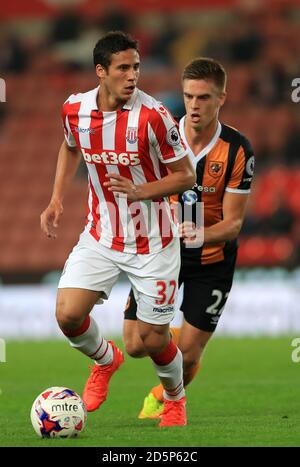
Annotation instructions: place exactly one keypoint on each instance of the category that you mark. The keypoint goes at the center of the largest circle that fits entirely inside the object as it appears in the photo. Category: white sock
(171, 377)
(92, 343)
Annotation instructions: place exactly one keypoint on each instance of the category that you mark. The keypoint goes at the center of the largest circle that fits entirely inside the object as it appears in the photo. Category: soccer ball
(58, 412)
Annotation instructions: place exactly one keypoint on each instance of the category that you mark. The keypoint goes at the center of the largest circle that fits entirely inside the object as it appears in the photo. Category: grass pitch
(246, 394)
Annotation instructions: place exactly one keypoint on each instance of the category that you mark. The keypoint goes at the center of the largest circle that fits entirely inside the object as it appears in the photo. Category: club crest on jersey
(215, 169)
(132, 135)
(163, 110)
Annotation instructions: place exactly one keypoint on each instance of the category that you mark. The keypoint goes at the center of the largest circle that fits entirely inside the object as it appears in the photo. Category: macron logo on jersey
(111, 158)
(85, 130)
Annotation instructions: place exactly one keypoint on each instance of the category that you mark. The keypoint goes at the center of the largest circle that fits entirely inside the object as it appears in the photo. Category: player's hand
(193, 237)
(122, 185)
(50, 218)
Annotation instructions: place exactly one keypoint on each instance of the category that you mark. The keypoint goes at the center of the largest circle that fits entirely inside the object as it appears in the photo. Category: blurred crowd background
(46, 55)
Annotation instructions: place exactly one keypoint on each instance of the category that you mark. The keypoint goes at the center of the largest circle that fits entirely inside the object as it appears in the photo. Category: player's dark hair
(208, 69)
(111, 43)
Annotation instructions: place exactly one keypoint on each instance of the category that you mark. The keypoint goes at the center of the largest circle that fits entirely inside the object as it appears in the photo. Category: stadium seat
(257, 251)
(29, 147)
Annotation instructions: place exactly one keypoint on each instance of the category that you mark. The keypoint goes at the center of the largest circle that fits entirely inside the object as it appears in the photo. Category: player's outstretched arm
(67, 165)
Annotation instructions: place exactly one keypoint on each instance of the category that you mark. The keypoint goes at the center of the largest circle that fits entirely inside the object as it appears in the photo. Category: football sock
(88, 340)
(158, 390)
(168, 365)
(188, 376)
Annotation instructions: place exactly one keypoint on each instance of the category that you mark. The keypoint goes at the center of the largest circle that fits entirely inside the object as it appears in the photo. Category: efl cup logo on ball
(58, 412)
(189, 197)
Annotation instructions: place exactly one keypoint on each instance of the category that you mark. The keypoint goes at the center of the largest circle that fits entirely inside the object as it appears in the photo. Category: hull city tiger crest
(132, 135)
(215, 169)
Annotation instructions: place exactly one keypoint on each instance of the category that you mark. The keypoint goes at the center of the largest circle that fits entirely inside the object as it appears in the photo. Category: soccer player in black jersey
(224, 163)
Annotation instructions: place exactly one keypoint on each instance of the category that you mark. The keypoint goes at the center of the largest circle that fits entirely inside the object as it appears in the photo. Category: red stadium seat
(257, 251)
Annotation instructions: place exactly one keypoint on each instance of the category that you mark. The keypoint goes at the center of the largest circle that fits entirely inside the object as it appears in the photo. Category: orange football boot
(96, 387)
(174, 413)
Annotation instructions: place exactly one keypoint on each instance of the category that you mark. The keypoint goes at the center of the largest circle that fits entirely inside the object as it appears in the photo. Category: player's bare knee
(154, 343)
(133, 344)
(154, 337)
(66, 318)
(68, 322)
(134, 351)
(148, 332)
(134, 348)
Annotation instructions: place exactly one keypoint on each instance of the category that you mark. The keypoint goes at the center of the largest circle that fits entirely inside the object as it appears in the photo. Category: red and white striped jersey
(136, 142)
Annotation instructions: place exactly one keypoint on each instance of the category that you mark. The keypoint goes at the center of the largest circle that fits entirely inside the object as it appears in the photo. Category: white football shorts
(154, 277)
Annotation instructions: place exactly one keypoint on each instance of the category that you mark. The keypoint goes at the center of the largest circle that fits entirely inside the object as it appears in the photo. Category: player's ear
(100, 71)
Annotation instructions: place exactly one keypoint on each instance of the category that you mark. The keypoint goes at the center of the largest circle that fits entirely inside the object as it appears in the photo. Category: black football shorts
(206, 289)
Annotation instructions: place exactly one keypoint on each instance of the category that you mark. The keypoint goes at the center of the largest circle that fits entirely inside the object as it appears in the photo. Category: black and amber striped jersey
(225, 164)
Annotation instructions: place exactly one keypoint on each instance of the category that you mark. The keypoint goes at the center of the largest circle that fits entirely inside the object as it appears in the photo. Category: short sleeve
(164, 135)
(70, 140)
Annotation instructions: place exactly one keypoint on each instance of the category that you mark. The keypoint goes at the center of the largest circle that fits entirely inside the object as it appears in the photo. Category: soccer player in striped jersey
(224, 163)
(127, 140)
